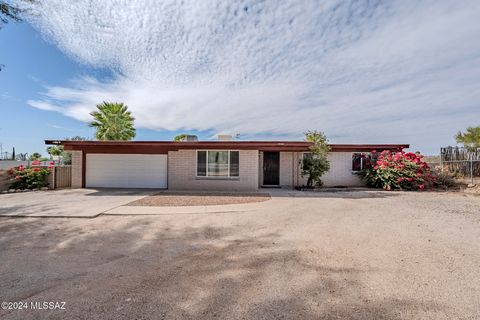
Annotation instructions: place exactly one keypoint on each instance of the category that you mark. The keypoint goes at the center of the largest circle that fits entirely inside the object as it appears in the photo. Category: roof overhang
(165, 146)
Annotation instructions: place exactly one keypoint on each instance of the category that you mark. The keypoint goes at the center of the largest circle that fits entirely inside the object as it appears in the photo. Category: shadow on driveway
(152, 270)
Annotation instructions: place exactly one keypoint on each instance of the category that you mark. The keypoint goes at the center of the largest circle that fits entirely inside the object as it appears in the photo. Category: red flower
(36, 169)
(36, 162)
(21, 168)
(421, 186)
(50, 167)
(401, 179)
(375, 168)
(410, 179)
(374, 151)
(52, 163)
(17, 177)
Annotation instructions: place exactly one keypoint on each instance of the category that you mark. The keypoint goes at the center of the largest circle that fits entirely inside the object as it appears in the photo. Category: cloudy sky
(361, 71)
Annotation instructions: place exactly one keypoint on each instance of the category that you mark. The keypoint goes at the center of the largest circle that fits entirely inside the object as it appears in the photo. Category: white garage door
(126, 171)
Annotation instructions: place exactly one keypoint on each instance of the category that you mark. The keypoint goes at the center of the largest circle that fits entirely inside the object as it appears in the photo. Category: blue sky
(31, 64)
(362, 71)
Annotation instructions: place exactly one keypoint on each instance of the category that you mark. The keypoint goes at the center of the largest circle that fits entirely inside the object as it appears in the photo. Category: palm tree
(113, 121)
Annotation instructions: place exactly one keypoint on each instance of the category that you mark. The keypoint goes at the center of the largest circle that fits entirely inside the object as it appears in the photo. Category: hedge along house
(208, 165)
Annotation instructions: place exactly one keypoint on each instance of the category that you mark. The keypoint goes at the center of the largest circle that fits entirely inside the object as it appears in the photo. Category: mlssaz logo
(47, 305)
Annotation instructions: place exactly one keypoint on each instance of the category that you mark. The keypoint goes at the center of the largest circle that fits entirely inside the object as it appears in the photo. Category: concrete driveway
(77, 203)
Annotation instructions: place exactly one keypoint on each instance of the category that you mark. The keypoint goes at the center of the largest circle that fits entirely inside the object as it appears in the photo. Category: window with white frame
(217, 163)
(360, 161)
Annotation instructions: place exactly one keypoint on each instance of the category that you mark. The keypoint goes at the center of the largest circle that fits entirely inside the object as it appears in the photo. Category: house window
(360, 161)
(217, 163)
(307, 155)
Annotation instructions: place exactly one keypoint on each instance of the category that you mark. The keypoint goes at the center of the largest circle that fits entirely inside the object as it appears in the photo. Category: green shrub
(29, 177)
(399, 170)
(444, 179)
(316, 163)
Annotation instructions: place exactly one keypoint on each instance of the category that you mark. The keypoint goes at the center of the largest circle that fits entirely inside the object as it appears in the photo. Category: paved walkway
(71, 203)
(89, 203)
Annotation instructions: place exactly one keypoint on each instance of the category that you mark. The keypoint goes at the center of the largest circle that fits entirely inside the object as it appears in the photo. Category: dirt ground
(382, 255)
(181, 199)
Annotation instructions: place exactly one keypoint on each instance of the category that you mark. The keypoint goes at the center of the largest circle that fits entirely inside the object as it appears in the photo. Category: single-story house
(208, 165)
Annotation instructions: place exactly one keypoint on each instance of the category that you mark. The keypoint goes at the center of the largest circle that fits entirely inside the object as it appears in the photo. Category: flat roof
(165, 146)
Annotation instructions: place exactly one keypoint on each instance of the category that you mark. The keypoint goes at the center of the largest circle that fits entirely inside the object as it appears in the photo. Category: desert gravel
(360, 255)
(181, 199)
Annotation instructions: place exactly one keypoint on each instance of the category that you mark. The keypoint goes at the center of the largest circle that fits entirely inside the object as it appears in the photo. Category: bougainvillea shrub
(32, 177)
(398, 170)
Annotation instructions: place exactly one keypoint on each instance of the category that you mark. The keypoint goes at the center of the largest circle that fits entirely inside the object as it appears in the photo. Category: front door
(271, 168)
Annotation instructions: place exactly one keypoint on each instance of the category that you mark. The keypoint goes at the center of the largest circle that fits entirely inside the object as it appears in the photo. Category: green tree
(8, 12)
(470, 138)
(55, 150)
(315, 164)
(180, 137)
(113, 121)
(35, 156)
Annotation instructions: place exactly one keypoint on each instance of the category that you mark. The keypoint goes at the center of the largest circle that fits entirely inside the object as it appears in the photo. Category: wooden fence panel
(461, 160)
(4, 180)
(63, 177)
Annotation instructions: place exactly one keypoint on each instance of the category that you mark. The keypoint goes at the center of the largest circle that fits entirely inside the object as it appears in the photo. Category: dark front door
(271, 168)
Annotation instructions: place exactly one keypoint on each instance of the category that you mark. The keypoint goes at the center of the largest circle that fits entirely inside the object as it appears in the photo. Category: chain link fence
(462, 161)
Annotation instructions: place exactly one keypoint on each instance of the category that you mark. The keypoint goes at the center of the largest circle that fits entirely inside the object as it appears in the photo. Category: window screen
(201, 163)
(234, 163)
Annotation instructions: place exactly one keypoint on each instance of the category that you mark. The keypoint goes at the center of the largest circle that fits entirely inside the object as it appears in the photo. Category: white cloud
(402, 71)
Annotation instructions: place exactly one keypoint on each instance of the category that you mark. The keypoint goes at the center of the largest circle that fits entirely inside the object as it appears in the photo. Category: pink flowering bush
(398, 170)
(29, 177)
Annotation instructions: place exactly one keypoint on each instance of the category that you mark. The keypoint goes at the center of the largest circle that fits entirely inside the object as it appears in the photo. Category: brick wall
(76, 169)
(340, 173)
(286, 169)
(260, 169)
(182, 173)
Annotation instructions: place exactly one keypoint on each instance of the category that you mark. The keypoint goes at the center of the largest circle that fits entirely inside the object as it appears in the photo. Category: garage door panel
(126, 171)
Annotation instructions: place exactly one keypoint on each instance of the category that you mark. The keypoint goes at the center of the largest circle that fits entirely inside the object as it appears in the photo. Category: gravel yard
(181, 199)
(343, 255)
